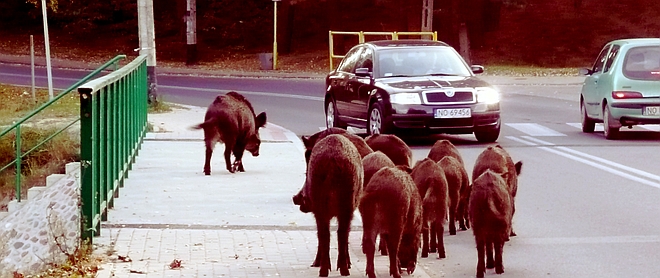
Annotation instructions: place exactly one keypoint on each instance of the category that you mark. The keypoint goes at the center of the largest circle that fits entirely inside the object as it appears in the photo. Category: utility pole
(49, 70)
(147, 37)
(427, 16)
(191, 32)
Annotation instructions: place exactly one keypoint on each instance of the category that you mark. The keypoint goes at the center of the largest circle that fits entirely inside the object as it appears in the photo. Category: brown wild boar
(490, 214)
(432, 186)
(372, 163)
(442, 148)
(310, 141)
(457, 181)
(231, 119)
(499, 161)
(392, 146)
(391, 205)
(332, 189)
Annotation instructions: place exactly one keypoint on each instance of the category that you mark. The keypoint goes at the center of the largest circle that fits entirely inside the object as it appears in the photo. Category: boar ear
(518, 167)
(260, 120)
(307, 142)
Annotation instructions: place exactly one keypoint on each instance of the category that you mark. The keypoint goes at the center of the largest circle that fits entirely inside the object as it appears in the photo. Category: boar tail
(203, 125)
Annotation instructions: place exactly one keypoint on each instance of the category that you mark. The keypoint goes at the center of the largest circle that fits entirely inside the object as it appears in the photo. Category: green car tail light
(626, 94)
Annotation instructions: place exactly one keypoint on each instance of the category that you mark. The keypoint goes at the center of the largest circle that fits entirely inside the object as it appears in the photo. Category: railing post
(332, 52)
(19, 161)
(86, 168)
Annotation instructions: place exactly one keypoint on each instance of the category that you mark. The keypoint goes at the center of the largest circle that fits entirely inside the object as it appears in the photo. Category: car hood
(432, 82)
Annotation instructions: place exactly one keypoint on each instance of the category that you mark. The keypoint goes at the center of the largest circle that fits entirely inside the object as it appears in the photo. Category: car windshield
(642, 63)
(439, 61)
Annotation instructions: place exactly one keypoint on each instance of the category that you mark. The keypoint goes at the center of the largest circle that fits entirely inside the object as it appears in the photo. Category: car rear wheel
(488, 135)
(331, 119)
(588, 125)
(610, 132)
(376, 122)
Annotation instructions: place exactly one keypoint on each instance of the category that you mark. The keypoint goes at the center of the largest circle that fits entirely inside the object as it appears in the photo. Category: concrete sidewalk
(224, 225)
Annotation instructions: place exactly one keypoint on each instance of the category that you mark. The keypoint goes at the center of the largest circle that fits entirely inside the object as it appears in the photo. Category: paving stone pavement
(170, 220)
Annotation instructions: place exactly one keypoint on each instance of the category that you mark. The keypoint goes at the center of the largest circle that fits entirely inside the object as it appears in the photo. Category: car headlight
(487, 95)
(405, 98)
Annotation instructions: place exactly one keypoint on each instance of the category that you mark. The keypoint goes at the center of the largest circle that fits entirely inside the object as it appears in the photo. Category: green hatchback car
(623, 86)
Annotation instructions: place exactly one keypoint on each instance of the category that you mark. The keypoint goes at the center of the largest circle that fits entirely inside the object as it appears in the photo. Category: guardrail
(19, 155)
(361, 35)
(113, 123)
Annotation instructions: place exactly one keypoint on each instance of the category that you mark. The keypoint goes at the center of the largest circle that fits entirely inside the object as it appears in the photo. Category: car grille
(446, 97)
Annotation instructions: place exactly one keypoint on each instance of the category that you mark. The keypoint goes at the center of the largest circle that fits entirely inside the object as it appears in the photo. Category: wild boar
(490, 214)
(310, 141)
(457, 181)
(499, 161)
(372, 163)
(231, 119)
(442, 148)
(332, 189)
(391, 205)
(392, 146)
(432, 186)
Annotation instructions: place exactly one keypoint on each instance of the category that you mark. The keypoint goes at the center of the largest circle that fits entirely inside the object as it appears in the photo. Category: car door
(339, 83)
(592, 89)
(360, 86)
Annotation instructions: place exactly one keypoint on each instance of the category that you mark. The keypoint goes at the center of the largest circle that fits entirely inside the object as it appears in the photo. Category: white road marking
(594, 161)
(599, 127)
(534, 129)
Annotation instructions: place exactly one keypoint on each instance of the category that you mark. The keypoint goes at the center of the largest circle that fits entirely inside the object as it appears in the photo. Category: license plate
(453, 113)
(652, 111)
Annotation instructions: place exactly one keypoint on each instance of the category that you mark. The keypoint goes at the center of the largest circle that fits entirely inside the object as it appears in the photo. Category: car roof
(638, 41)
(405, 43)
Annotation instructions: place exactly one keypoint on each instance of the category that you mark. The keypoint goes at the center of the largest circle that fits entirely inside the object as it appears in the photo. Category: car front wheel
(610, 132)
(331, 119)
(588, 125)
(376, 122)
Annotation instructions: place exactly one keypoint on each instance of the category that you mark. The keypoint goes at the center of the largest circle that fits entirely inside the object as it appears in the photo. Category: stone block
(54, 178)
(35, 191)
(72, 167)
(15, 205)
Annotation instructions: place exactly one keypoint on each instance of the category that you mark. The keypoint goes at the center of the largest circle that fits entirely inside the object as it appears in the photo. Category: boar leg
(439, 234)
(393, 240)
(323, 253)
(230, 168)
(490, 262)
(369, 249)
(481, 254)
(343, 229)
(239, 149)
(433, 244)
(425, 240)
(452, 222)
(207, 161)
(499, 265)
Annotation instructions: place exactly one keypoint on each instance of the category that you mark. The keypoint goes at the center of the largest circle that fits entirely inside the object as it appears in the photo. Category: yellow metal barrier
(394, 36)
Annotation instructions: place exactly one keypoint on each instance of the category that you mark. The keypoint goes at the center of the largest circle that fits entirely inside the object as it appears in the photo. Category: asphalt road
(586, 206)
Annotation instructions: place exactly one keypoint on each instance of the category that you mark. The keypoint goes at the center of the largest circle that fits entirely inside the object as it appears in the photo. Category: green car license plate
(453, 113)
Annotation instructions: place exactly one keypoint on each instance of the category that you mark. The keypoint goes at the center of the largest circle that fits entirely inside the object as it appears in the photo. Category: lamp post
(275, 33)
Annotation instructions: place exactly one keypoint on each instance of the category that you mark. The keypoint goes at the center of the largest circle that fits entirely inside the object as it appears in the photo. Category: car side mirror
(362, 72)
(585, 71)
(476, 69)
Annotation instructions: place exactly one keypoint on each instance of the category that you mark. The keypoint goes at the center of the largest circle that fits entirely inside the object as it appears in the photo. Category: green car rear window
(642, 63)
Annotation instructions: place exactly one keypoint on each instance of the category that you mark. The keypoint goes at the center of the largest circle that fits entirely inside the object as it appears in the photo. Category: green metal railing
(113, 123)
(19, 155)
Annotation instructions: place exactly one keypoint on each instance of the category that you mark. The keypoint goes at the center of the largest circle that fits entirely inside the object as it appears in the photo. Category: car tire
(588, 125)
(376, 122)
(331, 115)
(488, 135)
(611, 133)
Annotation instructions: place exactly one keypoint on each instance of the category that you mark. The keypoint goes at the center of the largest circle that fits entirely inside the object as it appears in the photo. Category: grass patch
(49, 158)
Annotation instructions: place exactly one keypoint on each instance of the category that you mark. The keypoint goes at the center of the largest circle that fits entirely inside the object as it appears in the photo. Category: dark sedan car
(411, 87)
